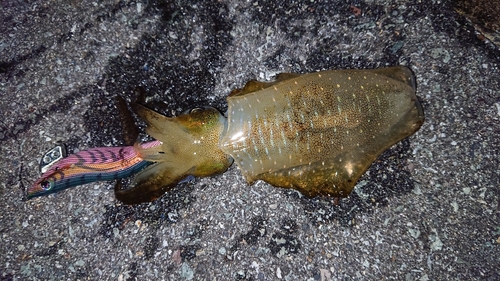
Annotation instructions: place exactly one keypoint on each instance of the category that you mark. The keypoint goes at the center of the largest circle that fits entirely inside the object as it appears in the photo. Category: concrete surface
(428, 209)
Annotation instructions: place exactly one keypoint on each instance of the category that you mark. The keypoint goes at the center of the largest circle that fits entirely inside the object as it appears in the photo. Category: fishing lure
(95, 164)
(317, 133)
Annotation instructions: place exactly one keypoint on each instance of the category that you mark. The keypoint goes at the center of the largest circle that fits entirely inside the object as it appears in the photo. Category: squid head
(189, 146)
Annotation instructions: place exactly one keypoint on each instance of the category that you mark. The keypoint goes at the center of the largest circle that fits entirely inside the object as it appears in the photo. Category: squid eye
(46, 185)
(196, 109)
(193, 110)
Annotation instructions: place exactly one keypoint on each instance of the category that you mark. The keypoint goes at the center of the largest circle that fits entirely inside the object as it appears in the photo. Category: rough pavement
(428, 209)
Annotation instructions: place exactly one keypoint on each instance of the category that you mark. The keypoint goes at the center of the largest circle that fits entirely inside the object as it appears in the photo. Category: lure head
(46, 184)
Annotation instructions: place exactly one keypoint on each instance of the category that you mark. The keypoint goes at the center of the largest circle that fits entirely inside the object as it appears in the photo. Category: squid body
(317, 133)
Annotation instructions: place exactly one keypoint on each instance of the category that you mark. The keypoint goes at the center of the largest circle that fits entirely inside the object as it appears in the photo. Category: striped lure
(95, 164)
(317, 133)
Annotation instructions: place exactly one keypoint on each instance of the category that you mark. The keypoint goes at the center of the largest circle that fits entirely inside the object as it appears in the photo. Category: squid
(316, 133)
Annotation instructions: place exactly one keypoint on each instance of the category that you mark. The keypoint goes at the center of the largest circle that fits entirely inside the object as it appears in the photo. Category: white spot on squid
(349, 168)
(283, 137)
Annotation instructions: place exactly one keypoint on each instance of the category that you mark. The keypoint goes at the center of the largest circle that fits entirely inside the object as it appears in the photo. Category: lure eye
(46, 185)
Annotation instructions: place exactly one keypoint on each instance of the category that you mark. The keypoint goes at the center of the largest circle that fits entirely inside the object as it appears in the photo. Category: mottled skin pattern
(317, 133)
